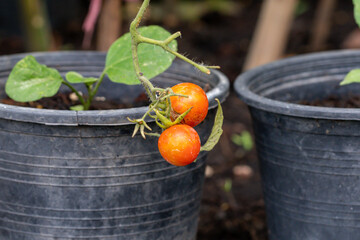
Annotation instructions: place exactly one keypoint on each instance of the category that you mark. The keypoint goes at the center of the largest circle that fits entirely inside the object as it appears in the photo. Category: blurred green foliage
(228, 185)
(302, 7)
(187, 10)
(243, 139)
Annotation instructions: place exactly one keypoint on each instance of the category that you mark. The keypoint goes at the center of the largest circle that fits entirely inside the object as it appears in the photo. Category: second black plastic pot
(80, 175)
(309, 156)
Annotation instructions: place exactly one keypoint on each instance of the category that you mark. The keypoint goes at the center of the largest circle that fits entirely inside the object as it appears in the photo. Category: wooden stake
(132, 7)
(271, 32)
(36, 24)
(109, 27)
(171, 18)
(322, 24)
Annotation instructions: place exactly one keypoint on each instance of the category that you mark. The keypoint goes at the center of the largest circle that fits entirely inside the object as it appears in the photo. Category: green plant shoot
(228, 185)
(244, 139)
(31, 81)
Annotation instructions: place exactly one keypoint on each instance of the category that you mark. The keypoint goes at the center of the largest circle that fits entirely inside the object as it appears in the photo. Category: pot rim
(254, 100)
(113, 117)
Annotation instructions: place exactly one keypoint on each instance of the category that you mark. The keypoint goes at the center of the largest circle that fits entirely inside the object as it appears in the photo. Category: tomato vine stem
(159, 97)
(81, 99)
(137, 38)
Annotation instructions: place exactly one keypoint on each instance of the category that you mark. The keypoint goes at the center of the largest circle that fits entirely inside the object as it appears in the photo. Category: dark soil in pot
(63, 101)
(335, 101)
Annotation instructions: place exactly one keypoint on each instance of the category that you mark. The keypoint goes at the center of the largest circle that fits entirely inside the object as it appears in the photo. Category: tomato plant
(195, 99)
(179, 145)
(134, 58)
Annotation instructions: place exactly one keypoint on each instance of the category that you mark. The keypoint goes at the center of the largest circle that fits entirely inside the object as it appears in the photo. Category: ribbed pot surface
(80, 175)
(309, 156)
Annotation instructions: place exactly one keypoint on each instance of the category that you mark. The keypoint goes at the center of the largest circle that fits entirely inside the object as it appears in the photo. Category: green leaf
(74, 77)
(77, 108)
(244, 139)
(228, 185)
(31, 81)
(352, 77)
(153, 59)
(216, 130)
(357, 11)
(302, 7)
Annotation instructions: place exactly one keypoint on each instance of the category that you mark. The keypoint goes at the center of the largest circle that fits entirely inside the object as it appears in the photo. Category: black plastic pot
(80, 175)
(309, 156)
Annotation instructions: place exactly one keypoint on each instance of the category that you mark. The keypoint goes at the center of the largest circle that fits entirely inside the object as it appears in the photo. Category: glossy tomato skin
(179, 145)
(196, 98)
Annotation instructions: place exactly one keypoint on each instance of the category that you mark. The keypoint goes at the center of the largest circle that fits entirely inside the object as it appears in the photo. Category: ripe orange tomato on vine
(179, 144)
(196, 98)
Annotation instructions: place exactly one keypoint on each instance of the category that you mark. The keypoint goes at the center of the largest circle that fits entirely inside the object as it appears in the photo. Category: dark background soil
(232, 204)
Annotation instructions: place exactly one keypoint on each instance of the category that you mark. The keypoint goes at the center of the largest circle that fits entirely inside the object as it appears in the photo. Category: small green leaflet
(77, 108)
(74, 77)
(244, 139)
(357, 11)
(352, 77)
(31, 81)
(216, 130)
(153, 59)
(228, 185)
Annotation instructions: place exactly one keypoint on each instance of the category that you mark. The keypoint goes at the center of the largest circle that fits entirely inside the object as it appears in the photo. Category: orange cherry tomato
(196, 98)
(179, 145)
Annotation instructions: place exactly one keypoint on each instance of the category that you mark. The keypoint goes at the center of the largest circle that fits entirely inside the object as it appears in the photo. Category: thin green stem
(81, 99)
(92, 91)
(137, 38)
(164, 44)
(151, 109)
(158, 90)
(98, 83)
(134, 44)
(182, 57)
(148, 87)
(89, 100)
(172, 37)
(159, 97)
(135, 23)
(153, 134)
(168, 107)
(144, 81)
